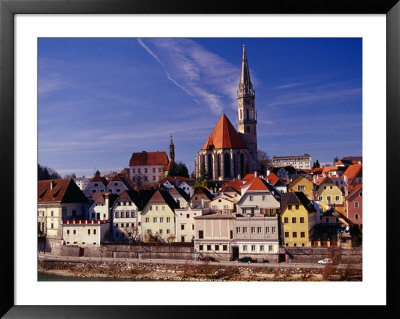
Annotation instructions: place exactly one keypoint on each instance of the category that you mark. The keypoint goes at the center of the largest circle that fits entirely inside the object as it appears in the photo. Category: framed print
(83, 32)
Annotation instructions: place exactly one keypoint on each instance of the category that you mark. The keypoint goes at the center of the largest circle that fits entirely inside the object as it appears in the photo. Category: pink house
(354, 206)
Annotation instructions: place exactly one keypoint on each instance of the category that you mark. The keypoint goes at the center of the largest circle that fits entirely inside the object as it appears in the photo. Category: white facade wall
(297, 161)
(148, 174)
(185, 223)
(116, 187)
(85, 234)
(187, 188)
(126, 219)
(98, 211)
(257, 202)
(223, 205)
(93, 187)
(82, 182)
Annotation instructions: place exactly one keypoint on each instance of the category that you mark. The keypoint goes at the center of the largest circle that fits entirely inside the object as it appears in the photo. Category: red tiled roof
(354, 189)
(224, 135)
(99, 179)
(352, 172)
(248, 176)
(272, 178)
(60, 190)
(327, 169)
(148, 158)
(258, 185)
(232, 184)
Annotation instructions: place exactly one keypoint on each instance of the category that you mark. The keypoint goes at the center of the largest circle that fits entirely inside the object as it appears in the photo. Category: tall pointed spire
(171, 150)
(245, 85)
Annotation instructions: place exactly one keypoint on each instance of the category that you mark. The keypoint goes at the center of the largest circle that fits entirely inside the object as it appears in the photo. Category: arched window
(219, 165)
(209, 166)
(240, 114)
(241, 165)
(227, 165)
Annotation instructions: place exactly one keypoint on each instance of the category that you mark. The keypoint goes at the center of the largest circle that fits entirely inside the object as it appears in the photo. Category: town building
(259, 198)
(185, 223)
(297, 161)
(276, 182)
(180, 196)
(117, 185)
(81, 182)
(214, 234)
(223, 203)
(302, 184)
(228, 153)
(100, 206)
(297, 219)
(354, 205)
(256, 237)
(328, 194)
(158, 218)
(96, 184)
(147, 167)
(126, 217)
(85, 233)
(58, 200)
(201, 198)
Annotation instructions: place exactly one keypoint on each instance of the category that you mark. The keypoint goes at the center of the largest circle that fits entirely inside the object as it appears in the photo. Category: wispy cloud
(203, 75)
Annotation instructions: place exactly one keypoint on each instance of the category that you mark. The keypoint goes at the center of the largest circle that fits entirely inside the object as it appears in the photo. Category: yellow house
(328, 194)
(298, 218)
(302, 184)
(158, 218)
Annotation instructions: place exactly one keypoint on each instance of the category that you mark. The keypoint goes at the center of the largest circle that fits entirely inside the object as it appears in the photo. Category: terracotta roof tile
(224, 135)
(99, 179)
(60, 190)
(352, 172)
(148, 158)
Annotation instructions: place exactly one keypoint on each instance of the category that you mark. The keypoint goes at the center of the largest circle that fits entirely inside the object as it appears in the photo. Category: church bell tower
(247, 115)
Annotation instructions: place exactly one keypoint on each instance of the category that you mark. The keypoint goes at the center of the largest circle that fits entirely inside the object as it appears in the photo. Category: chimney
(345, 179)
(268, 172)
(346, 191)
(107, 201)
(202, 202)
(315, 179)
(52, 184)
(255, 174)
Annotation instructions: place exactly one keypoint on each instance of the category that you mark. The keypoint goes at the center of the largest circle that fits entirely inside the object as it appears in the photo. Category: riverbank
(122, 271)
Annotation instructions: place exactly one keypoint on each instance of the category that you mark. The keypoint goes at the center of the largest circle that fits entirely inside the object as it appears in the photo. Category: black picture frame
(8, 8)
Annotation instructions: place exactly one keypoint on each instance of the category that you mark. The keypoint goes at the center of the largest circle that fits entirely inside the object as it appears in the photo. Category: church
(227, 153)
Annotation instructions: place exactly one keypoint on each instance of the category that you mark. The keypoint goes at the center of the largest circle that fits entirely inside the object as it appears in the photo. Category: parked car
(207, 258)
(325, 261)
(245, 260)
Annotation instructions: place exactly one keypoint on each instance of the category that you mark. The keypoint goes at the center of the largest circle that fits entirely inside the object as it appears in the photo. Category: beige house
(214, 234)
(223, 203)
(158, 218)
(201, 198)
(58, 200)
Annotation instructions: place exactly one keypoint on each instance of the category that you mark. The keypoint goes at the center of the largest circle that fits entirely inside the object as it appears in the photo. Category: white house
(101, 204)
(96, 184)
(223, 203)
(117, 185)
(147, 167)
(85, 233)
(185, 230)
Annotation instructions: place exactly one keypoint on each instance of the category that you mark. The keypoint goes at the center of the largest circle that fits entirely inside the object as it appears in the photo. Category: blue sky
(102, 99)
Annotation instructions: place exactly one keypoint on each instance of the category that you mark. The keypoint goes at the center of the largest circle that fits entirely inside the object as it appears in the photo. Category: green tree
(316, 164)
(202, 172)
(97, 173)
(182, 170)
(199, 183)
(172, 170)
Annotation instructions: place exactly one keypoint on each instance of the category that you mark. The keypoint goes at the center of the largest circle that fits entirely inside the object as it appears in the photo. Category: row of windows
(294, 220)
(124, 214)
(122, 225)
(144, 177)
(162, 207)
(216, 247)
(253, 230)
(296, 206)
(216, 207)
(294, 234)
(183, 226)
(88, 231)
(329, 198)
(123, 203)
(139, 170)
(253, 248)
(147, 219)
(160, 231)
(83, 243)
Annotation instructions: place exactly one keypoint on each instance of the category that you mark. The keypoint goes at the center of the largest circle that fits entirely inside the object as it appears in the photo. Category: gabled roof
(201, 191)
(121, 178)
(140, 198)
(162, 196)
(224, 135)
(298, 179)
(60, 190)
(231, 185)
(356, 188)
(352, 172)
(148, 158)
(177, 190)
(99, 179)
(259, 185)
(324, 180)
(99, 197)
(294, 198)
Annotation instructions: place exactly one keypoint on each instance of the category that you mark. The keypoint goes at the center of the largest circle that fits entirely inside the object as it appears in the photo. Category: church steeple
(245, 85)
(247, 115)
(171, 150)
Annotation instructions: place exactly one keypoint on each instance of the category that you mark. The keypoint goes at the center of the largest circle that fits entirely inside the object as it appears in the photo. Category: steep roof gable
(224, 135)
(60, 190)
